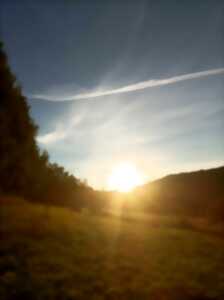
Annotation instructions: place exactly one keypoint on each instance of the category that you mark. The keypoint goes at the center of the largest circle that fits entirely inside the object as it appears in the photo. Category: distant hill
(199, 193)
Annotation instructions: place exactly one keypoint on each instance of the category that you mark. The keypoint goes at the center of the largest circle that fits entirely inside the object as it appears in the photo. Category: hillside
(199, 193)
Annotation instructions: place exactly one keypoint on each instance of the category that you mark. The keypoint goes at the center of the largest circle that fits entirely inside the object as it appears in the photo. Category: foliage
(17, 131)
(24, 169)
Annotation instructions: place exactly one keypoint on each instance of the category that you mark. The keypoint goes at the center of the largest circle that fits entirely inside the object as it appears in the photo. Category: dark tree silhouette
(24, 169)
(18, 149)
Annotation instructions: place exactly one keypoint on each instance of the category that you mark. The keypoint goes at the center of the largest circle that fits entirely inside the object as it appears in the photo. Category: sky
(121, 81)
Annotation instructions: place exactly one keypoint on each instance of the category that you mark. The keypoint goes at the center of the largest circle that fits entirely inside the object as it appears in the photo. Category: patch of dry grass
(54, 253)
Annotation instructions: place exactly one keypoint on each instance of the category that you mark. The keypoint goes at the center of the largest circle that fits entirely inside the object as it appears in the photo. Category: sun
(124, 177)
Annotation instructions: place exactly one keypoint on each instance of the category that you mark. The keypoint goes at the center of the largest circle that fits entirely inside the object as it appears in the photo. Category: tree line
(25, 170)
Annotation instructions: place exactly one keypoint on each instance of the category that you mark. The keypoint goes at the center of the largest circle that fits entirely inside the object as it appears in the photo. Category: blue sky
(113, 81)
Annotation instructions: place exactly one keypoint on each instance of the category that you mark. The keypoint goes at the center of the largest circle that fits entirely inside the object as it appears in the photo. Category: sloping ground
(54, 253)
(197, 194)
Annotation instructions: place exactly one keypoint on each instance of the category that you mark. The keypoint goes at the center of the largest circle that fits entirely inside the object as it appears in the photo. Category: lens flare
(124, 178)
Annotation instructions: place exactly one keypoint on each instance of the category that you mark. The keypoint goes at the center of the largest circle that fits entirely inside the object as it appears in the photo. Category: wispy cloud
(61, 131)
(51, 137)
(158, 141)
(133, 87)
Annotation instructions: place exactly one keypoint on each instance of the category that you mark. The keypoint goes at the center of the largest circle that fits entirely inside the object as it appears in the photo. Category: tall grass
(55, 253)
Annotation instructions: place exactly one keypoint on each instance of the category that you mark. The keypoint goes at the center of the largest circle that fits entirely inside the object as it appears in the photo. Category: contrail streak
(134, 87)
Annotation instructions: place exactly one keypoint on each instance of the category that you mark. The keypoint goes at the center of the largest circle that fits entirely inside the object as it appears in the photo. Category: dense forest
(25, 170)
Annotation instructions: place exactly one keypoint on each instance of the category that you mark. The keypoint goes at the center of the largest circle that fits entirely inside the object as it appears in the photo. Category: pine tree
(24, 169)
(18, 149)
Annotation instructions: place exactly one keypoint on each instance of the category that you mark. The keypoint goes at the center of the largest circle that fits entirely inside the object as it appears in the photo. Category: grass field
(55, 253)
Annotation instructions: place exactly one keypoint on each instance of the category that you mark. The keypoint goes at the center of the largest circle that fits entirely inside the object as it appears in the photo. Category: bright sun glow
(124, 178)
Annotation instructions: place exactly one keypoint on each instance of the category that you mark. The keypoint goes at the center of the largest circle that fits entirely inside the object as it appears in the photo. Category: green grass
(56, 253)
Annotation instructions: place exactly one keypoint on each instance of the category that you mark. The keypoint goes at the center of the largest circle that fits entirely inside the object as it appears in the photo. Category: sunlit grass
(51, 253)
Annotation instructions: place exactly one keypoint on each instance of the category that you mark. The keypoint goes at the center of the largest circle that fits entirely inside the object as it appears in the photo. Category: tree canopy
(25, 170)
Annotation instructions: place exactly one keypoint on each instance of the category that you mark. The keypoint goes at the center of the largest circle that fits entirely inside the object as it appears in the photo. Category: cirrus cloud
(99, 92)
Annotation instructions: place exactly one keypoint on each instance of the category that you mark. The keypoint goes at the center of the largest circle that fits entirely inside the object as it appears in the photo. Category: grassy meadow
(56, 253)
